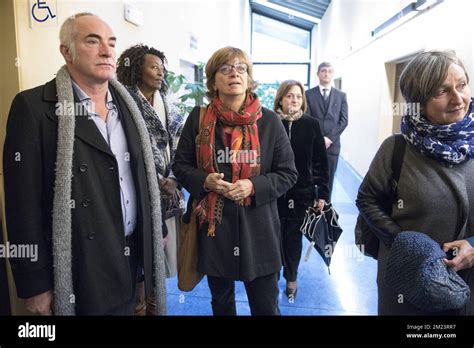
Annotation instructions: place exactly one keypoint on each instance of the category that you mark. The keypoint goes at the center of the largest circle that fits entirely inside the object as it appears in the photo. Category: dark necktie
(325, 94)
(325, 99)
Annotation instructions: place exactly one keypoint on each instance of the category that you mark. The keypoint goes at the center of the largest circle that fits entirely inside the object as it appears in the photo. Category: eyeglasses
(239, 67)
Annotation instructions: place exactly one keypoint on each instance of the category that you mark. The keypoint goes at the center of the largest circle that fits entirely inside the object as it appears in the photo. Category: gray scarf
(62, 231)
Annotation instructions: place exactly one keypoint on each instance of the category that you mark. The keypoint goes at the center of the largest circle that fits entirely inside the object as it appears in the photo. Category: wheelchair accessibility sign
(43, 13)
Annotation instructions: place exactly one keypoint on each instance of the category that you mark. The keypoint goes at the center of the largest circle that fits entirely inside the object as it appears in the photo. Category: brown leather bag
(188, 254)
(188, 251)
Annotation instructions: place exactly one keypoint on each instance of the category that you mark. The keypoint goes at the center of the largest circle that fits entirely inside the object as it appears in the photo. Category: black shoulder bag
(366, 240)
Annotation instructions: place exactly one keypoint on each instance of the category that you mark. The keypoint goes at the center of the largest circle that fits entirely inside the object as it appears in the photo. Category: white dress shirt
(322, 92)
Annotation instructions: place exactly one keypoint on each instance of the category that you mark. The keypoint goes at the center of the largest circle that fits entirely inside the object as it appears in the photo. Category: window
(280, 52)
(268, 73)
(274, 41)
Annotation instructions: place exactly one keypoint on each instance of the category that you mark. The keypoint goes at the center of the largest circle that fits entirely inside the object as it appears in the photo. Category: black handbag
(365, 239)
(173, 205)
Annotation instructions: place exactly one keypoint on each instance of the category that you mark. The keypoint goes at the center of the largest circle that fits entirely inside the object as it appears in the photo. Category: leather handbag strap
(201, 115)
(397, 161)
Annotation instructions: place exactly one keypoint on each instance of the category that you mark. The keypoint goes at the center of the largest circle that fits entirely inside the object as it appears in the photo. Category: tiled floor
(350, 289)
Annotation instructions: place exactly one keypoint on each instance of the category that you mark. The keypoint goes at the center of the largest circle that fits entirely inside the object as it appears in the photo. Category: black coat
(101, 272)
(247, 244)
(311, 162)
(333, 120)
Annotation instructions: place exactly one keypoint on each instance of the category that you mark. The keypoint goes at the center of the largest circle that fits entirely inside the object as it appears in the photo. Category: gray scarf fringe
(62, 230)
(62, 236)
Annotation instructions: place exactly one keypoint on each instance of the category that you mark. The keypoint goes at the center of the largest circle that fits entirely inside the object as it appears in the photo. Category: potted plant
(192, 93)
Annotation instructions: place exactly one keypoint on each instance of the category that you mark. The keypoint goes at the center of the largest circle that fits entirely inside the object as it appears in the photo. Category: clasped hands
(240, 189)
(327, 142)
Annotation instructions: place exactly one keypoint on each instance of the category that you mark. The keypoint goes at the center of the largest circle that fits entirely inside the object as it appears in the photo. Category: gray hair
(425, 73)
(324, 65)
(67, 33)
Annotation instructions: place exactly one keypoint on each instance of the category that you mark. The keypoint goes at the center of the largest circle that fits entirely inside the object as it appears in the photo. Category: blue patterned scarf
(450, 144)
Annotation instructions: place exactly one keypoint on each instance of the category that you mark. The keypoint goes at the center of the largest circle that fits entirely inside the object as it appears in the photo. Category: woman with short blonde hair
(235, 163)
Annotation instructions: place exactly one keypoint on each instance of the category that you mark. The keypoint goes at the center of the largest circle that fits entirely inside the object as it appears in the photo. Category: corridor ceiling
(301, 13)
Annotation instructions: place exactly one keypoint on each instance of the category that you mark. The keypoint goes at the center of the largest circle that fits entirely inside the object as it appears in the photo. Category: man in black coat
(329, 106)
(77, 170)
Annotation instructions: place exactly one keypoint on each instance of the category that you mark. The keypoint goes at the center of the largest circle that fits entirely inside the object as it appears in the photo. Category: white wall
(344, 38)
(168, 25)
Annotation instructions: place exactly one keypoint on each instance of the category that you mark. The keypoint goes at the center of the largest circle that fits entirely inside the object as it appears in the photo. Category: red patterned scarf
(244, 152)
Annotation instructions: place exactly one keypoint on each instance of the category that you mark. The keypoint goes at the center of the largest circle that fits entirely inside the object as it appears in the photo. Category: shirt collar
(86, 100)
(328, 88)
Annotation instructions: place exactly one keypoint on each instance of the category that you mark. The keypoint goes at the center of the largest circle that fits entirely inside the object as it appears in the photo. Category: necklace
(150, 100)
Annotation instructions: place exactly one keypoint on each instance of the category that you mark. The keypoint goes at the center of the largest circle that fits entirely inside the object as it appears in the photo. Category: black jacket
(247, 244)
(311, 162)
(333, 120)
(101, 272)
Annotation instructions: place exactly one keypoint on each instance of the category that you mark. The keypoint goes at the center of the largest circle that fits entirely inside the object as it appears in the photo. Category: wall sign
(43, 13)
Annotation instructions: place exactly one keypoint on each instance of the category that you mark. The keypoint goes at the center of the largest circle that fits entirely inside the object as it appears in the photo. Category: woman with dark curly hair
(142, 69)
(130, 69)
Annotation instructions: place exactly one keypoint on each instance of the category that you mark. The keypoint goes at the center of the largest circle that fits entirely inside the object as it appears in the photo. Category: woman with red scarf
(235, 164)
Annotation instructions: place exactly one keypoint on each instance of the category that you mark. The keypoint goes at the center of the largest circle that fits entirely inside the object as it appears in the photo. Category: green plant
(266, 93)
(191, 91)
(174, 81)
(196, 91)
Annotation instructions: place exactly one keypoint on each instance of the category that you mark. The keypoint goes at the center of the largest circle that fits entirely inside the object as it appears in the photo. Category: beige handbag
(188, 251)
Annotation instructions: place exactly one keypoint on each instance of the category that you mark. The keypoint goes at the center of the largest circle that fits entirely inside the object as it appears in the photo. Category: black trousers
(292, 247)
(332, 162)
(262, 293)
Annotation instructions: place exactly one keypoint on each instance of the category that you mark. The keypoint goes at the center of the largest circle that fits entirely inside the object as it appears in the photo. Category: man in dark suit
(329, 106)
(77, 167)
